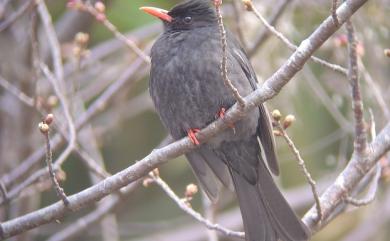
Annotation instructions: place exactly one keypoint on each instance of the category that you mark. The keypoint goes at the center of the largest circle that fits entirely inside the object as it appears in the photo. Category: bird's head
(185, 16)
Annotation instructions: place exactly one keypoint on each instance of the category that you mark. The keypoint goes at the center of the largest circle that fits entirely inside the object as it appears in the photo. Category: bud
(288, 121)
(60, 175)
(74, 4)
(147, 181)
(100, 17)
(43, 127)
(191, 190)
(52, 101)
(277, 133)
(77, 51)
(341, 41)
(387, 52)
(49, 119)
(276, 115)
(248, 5)
(100, 7)
(81, 38)
(360, 49)
(155, 173)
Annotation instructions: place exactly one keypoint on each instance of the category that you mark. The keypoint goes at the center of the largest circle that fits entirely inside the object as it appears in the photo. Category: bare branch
(371, 193)
(97, 106)
(328, 103)
(98, 11)
(265, 33)
(375, 180)
(3, 191)
(11, 19)
(164, 186)
(227, 81)
(348, 179)
(375, 89)
(44, 128)
(16, 92)
(335, 3)
(238, 23)
(53, 42)
(360, 144)
(93, 217)
(64, 102)
(289, 44)
(282, 131)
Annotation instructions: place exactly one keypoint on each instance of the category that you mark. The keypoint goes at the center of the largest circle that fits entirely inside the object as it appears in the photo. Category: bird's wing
(264, 128)
(204, 175)
(210, 171)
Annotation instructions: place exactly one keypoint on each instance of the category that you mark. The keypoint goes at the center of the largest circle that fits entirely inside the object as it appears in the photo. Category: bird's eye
(187, 20)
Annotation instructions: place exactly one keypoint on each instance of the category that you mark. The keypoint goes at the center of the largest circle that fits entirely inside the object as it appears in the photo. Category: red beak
(157, 12)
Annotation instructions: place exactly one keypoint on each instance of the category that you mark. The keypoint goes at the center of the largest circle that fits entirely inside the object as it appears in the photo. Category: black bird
(188, 92)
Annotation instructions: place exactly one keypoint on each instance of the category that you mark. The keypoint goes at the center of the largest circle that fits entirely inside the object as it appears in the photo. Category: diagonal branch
(289, 44)
(360, 143)
(265, 34)
(223, 66)
(213, 226)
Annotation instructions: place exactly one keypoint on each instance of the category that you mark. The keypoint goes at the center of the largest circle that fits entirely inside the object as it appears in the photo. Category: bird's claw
(221, 114)
(192, 135)
(217, 3)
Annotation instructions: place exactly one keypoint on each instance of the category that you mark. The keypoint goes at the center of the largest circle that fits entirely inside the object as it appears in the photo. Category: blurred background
(124, 127)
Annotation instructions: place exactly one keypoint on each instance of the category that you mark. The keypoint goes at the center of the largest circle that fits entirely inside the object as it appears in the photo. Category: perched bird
(189, 93)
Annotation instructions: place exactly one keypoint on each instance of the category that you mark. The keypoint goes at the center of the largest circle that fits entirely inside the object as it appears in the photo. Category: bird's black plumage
(188, 91)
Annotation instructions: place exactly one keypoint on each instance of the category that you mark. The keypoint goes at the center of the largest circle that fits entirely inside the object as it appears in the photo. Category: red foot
(221, 114)
(217, 2)
(191, 134)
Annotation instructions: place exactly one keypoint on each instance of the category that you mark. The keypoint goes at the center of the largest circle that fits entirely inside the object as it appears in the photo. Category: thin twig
(97, 106)
(302, 165)
(3, 191)
(58, 80)
(44, 128)
(335, 3)
(265, 33)
(95, 216)
(101, 17)
(238, 23)
(223, 66)
(289, 44)
(327, 102)
(375, 89)
(92, 164)
(370, 197)
(360, 143)
(375, 180)
(72, 129)
(164, 186)
(53, 42)
(11, 19)
(16, 92)
(210, 211)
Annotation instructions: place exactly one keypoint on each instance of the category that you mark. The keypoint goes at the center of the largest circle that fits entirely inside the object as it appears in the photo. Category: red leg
(191, 134)
(217, 2)
(221, 114)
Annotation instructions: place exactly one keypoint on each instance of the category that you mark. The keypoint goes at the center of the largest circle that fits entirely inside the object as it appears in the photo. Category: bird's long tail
(266, 214)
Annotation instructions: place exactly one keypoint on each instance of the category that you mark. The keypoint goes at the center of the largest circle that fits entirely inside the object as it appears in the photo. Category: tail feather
(266, 214)
(257, 223)
(288, 225)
